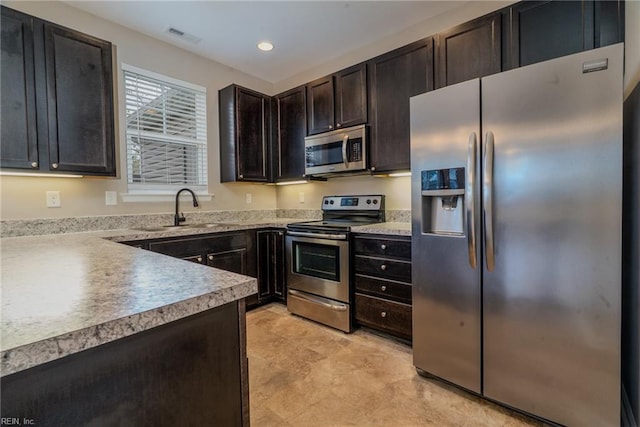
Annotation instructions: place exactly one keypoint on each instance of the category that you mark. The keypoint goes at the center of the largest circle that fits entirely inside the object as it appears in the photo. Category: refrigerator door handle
(487, 201)
(470, 199)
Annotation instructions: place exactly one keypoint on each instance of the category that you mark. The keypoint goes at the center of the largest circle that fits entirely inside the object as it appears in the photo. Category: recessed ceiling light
(265, 46)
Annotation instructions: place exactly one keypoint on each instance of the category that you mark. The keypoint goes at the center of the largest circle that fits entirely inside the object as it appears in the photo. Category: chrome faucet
(178, 218)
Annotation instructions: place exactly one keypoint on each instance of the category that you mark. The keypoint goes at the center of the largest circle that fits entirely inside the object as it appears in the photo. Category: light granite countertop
(389, 228)
(64, 293)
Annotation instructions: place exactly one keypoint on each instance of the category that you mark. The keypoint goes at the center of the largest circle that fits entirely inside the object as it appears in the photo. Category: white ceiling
(305, 33)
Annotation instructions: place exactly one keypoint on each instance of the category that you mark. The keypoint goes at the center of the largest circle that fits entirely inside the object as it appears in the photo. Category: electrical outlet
(301, 197)
(110, 198)
(248, 198)
(53, 199)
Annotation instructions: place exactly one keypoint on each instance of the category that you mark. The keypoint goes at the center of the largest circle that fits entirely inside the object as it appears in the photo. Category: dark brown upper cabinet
(543, 30)
(468, 51)
(19, 147)
(244, 135)
(394, 78)
(290, 131)
(337, 101)
(57, 98)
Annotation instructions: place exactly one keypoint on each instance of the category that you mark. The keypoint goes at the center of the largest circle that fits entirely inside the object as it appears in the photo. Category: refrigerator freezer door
(446, 288)
(552, 303)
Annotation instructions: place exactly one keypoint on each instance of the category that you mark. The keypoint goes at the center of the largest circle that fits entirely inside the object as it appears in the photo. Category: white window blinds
(166, 132)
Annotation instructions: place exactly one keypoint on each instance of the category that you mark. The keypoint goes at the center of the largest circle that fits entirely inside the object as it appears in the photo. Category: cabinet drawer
(383, 247)
(387, 316)
(383, 288)
(384, 268)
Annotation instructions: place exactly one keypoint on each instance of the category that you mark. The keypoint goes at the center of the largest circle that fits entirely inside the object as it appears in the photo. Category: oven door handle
(318, 235)
(321, 301)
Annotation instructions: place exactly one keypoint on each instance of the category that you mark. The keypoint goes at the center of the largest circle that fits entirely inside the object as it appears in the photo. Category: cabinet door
(79, 102)
(19, 148)
(264, 243)
(252, 121)
(468, 51)
(291, 131)
(234, 260)
(279, 266)
(351, 96)
(543, 30)
(394, 78)
(320, 113)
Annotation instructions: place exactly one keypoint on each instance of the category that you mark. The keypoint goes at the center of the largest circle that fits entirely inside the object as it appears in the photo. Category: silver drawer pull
(211, 257)
(199, 259)
(383, 247)
(383, 267)
(383, 288)
(383, 314)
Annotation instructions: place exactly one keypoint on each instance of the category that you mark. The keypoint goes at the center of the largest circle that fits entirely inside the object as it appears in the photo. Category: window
(166, 133)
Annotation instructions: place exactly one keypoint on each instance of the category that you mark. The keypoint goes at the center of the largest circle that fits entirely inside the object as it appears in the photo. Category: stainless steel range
(318, 270)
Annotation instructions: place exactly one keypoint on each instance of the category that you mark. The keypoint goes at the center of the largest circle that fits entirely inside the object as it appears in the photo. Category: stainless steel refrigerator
(516, 236)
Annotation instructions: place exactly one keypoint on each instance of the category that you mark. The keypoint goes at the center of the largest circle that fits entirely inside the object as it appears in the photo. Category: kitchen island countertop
(65, 293)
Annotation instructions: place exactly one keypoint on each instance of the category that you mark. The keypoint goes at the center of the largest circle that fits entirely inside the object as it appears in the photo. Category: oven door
(318, 264)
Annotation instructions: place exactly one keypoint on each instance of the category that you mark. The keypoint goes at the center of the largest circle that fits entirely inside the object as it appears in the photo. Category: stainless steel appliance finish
(318, 267)
(339, 151)
(523, 305)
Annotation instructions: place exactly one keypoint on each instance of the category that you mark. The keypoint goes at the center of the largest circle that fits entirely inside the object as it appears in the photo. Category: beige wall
(24, 197)
(632, 46)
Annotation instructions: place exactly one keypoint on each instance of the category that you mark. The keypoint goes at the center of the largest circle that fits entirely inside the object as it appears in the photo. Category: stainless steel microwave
(339, 151)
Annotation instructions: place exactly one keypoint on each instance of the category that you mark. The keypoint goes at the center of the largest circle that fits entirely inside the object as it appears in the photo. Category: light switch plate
(53, 199)
(301, 197)
(110, 198)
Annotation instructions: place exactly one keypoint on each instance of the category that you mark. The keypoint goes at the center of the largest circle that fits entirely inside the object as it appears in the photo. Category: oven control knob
(331, 202)
(383, 267)
(326, 202)
(375, 201)
(368, 201)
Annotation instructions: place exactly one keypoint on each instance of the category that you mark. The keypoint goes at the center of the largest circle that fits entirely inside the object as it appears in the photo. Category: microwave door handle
(345, 141)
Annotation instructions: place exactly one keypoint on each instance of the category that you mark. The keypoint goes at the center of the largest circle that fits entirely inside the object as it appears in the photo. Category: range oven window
(316, 260)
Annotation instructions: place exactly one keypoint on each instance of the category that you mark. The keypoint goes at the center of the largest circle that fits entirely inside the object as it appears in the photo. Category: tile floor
(304, 374)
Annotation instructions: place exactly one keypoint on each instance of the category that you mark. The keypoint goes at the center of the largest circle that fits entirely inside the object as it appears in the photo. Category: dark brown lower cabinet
(227, 251)
(382, 283)
(270, 267)
(189, 372)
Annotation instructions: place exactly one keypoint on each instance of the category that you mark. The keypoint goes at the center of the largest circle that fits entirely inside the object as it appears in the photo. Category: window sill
(159, 197)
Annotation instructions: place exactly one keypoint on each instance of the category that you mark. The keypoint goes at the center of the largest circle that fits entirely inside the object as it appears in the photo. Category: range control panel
(359, 203)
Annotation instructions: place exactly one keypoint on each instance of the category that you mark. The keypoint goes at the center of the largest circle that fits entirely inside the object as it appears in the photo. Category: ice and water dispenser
(443, 201)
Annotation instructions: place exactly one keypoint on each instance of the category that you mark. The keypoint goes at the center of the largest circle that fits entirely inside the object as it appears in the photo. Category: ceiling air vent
(182, 35)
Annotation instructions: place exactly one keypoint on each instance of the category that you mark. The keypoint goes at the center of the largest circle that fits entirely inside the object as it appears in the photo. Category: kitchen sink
(178, 227)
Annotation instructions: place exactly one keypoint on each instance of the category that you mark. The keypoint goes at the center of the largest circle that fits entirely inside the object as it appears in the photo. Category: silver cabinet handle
(383, 247)
(487, 200)
(345, 141)
(54, 165)
(210, 257)
(383, 288)
(338, 125)
(330, 126)
(383, 314)
(470, 199)
(383, 267)
(199, 259)
(373, 168)
(240, 176)
(34, 164)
